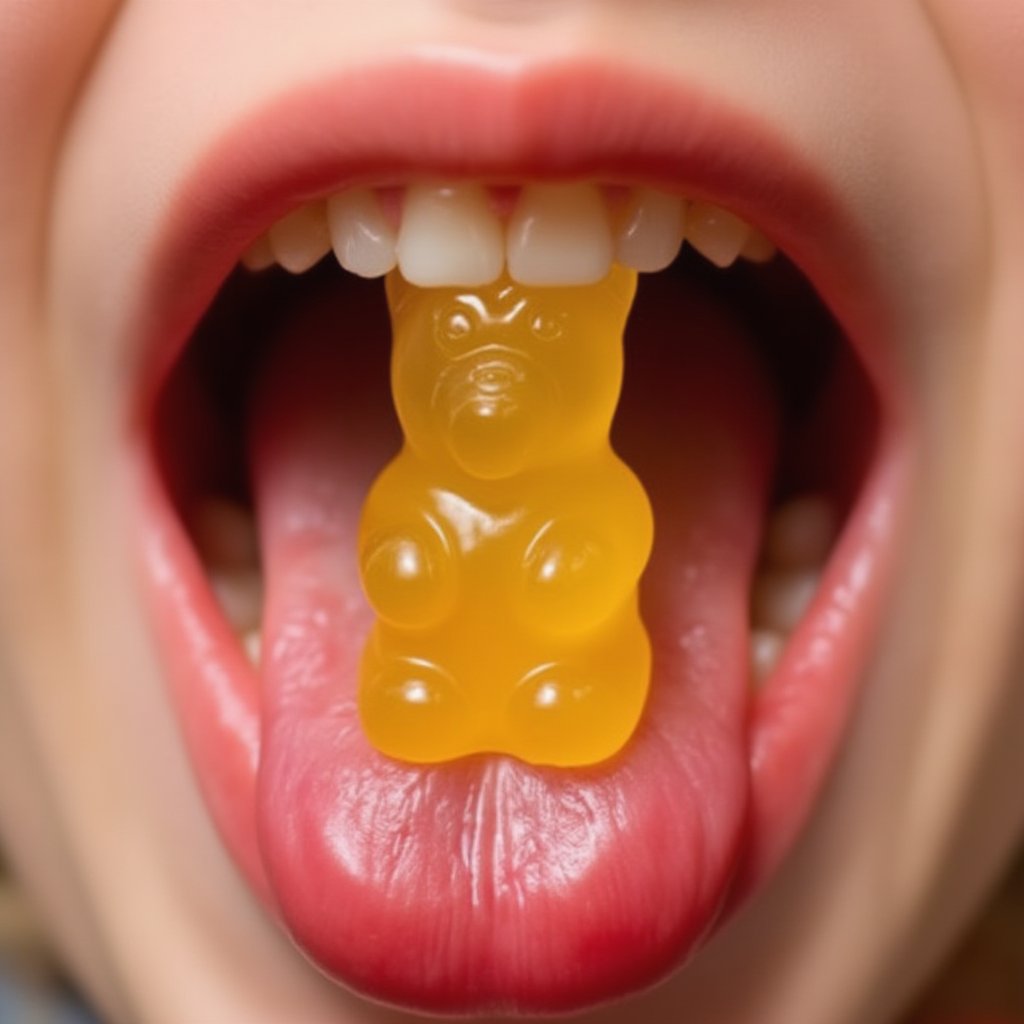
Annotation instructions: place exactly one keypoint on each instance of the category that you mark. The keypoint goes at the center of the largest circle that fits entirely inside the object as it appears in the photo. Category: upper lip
(424, 115)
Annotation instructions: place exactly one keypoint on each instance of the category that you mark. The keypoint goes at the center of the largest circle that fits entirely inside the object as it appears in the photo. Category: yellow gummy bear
(502, 547)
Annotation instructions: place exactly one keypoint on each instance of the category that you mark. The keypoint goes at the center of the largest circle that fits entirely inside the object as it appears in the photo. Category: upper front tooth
(651, 231)
(716, 233)
(449, 236)
(361, 236)
(559, 235)
(300, 240)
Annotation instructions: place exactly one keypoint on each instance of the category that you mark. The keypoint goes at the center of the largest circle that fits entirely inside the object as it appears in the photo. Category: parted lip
(570, 119)
(424, 117)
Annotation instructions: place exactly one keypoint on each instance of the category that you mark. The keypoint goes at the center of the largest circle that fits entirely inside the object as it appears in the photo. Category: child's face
(145, 145)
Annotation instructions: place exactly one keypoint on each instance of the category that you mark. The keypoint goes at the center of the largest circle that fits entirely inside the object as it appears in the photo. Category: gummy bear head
(503, 378)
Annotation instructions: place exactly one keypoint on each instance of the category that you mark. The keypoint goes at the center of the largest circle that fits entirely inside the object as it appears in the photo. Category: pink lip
(389, 124)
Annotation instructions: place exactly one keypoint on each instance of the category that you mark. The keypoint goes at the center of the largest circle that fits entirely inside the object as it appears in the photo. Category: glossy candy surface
(501, 549)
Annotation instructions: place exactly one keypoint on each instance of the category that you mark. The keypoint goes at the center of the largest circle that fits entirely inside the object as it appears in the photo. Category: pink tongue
(488, 885)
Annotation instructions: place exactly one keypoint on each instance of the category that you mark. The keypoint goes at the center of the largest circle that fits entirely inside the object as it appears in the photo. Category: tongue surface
(488, 885)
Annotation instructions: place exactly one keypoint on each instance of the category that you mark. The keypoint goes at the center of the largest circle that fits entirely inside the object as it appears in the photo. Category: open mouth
(757, 409)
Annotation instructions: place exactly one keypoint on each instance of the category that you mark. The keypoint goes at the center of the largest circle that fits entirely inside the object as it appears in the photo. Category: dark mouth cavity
(830, 411)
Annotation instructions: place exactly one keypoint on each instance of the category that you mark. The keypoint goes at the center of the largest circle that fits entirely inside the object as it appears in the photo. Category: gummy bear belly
(510, 629)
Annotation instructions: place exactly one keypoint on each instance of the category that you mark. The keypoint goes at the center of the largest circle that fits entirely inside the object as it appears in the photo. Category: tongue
(489, 885)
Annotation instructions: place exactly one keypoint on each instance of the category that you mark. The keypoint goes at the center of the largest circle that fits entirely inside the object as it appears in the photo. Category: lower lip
(796, 722)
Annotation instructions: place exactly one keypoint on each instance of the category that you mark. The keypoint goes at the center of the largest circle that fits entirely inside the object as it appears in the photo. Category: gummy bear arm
(608, 494)
(408, 561)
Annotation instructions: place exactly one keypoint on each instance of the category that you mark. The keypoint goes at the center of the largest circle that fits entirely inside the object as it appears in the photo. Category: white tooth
(361, 236)
(225, 533)
(766, 647)
(252, 644)
(300, 240)
(780, 599)
(239, 593)
(758, 248)
(226, 538)
(800, 533)
(449, 236)
(651, 231)
(559, 235)
(259, 255)
(716, 233)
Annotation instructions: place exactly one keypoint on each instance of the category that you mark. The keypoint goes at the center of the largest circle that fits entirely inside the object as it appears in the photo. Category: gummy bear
(501, 549)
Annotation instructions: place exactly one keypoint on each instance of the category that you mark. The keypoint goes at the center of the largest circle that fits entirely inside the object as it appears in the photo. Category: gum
(502, 548)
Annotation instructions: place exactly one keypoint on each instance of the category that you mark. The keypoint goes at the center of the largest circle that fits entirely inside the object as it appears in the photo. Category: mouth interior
(828, 408)
(624, 865)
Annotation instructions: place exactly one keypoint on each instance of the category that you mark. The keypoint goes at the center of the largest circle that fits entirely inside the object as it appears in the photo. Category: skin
(917, 107)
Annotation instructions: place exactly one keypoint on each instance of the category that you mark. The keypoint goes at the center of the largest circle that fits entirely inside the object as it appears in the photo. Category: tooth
(227, 541)
(766, 647)
(300, 240)
(800, 533)
(716, 233)
(361, 236)
(780, 599)
(239, 593)
(559, 235)
(758, 248)
(651, 231)
(449, 236)
(225, 533)
(259, 255)
(252, 644)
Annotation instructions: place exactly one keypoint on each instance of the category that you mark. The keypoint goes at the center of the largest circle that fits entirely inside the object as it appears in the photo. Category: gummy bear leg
(412, 709)
(581, 709)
